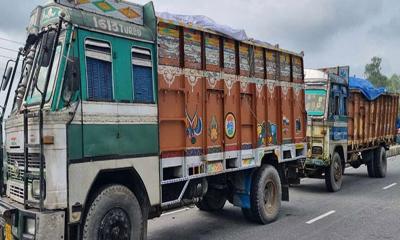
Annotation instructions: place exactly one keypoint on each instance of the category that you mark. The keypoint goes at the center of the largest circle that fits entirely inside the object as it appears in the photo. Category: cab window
(36, 88)
(142, 72)
(99, 70)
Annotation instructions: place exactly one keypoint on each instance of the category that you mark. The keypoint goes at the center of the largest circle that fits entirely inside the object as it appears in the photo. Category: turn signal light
(48, 140)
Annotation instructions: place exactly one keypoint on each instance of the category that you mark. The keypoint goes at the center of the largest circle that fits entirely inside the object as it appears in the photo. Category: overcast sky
(330, 32)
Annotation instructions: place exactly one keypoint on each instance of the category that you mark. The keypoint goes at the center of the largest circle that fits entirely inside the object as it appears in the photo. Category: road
(364, 209)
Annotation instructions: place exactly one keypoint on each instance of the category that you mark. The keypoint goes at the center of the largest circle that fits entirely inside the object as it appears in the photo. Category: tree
(394, 83)
(373, 73)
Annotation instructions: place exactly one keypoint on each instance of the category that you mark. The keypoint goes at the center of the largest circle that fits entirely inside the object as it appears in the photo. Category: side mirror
(48, 43)
(6, 78)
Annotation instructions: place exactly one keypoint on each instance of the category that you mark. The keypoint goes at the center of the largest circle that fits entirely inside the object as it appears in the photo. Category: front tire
(334, 174)
(114, 214)
(265, 196)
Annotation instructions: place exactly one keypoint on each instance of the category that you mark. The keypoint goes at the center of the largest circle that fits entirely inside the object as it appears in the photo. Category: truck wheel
(334, 174)
(380, 163)
(214, 200)
(371, 165)
(265, 196)
(115, 214)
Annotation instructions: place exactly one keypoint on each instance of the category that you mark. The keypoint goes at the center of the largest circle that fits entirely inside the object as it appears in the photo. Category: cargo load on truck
(372, 115)
(349, 122)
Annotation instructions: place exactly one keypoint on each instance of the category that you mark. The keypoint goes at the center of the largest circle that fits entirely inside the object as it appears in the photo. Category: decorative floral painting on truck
(194, 126)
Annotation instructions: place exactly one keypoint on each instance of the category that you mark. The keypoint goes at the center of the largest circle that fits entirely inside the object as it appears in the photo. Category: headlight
(30, 226)
(317, 150)
(36, 188)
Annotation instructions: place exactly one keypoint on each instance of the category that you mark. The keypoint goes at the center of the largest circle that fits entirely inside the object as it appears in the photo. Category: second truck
(349, 122)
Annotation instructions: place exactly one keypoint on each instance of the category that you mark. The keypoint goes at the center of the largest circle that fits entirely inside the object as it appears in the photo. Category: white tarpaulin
(206, 23)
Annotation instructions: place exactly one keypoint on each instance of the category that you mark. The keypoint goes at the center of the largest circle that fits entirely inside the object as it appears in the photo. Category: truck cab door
(119, 110)
(96, 135)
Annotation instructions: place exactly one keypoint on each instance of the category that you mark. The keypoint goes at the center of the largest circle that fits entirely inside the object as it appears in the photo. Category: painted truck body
(216, 113)
(142, 115)
(343, 123)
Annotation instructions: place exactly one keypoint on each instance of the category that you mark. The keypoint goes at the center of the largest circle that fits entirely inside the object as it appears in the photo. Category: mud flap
(242, 184)
(285, 183)
(285, 193)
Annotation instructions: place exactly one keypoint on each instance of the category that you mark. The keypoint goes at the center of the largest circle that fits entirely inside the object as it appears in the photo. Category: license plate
(7, 232)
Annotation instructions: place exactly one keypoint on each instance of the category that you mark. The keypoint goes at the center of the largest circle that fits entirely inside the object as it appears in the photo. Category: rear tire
(214, 200)
(334, 174)
(380, 163)
(265, 196)
(371, 166)
(115, 213)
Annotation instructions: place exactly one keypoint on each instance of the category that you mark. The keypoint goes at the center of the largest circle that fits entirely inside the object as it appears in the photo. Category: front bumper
(48, 225)
(316, 162)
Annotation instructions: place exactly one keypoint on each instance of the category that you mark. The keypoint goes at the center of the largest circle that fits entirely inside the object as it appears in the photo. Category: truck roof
(116, 17)
(137, 21)
(339, 75)
(313, 75)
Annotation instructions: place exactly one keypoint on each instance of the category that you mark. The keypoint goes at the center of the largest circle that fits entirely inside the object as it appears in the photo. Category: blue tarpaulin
(366, 87)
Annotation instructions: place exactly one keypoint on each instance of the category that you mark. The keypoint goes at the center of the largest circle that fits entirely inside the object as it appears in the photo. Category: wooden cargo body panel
(371, 122)
(223, 103)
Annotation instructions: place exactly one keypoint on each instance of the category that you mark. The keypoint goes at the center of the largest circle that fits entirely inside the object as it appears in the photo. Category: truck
(350, 122)
(119, 116)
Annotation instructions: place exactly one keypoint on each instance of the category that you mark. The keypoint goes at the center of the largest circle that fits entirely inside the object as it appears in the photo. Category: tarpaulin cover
(206, 23)
(366, 87)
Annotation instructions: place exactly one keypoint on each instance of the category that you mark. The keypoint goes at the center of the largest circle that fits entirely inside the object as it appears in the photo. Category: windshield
(34, 94)
(315, 102)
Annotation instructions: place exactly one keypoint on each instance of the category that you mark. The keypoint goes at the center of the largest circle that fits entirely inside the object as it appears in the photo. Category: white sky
(330, 32)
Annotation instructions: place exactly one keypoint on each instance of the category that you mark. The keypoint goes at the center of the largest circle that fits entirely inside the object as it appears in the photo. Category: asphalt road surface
(364, 209)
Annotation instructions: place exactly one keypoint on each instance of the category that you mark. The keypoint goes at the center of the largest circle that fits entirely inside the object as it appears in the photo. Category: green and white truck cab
(326, 104)
(67, 112)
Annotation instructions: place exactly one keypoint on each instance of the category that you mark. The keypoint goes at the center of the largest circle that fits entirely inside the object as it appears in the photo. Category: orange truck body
(223, 103)
(371, 122)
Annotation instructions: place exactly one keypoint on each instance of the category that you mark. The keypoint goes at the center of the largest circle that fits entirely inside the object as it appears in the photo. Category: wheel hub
(269, 196)
(338, 171)
(115, 225)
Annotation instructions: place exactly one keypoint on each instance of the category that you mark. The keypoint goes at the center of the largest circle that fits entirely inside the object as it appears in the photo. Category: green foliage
(394, 83)
(373, 74)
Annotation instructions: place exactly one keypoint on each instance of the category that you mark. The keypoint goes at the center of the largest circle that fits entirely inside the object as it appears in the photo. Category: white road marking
(321, 217)
(174, 212)
(390, 186)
